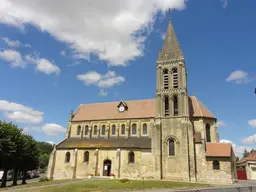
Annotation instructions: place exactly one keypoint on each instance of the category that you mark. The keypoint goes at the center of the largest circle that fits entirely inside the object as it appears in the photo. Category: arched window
(175, 78)
(175, 105)
(216, 165)
(86, 156)
(145, 129)
(166, 106)
(95, 130)
(131, 157)
(67, 157)
(166, 79)
(171, 147)
(103, 130)
(78, 130)
(113, 129)
(208, 133)
(134, 129)
(123, 129)
(86, 129)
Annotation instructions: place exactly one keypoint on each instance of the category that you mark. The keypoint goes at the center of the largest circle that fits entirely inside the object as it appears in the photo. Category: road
(9, 183)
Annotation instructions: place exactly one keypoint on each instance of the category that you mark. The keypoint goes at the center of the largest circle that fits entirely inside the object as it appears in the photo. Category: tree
(30, 156)
(246, 153)
(8, 147)
(45, 151)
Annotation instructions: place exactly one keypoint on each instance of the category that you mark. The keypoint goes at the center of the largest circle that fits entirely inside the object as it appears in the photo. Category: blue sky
(54, 58)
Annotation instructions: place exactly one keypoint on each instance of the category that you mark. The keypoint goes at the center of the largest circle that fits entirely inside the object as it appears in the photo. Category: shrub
(44, 179)
(124, 180)
(112, 174)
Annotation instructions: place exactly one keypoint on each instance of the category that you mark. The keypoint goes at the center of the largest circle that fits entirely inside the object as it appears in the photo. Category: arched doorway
(107, 167)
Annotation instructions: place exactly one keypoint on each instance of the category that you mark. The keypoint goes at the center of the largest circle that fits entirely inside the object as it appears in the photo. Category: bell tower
(171, 90)
(175, 134)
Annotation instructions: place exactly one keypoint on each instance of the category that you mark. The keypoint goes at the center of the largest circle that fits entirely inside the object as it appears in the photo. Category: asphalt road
(9, 183)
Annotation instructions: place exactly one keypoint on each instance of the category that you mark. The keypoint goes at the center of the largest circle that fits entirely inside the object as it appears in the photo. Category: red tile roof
(218, 149)
(136, 109)
(250, 157)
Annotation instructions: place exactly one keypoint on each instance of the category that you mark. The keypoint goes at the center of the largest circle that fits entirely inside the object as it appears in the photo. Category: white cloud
(250, 140)
(14, 44)
(163, 36)
(53, 129)
(115, 34)
(239, 150)
(89, 78)
(103, 81)
(63, 53)
(51, 142)
(220, 124)
(13, 57)
(27, 45)
(224, 3)
(103, 93)
(29, 129)
(20, 113)
(43, 65)
(239, 77)
(11, 43)
(252, 123)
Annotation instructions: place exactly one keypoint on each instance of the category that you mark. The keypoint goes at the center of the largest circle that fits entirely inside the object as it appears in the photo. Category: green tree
(44, 147)
(246, 153)
(43, 161)
(9, 133)
(30, 156)
(45, 151)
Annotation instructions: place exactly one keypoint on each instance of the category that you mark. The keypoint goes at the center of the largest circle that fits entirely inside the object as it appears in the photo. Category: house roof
(136, 109)
(218, 149)
(250, 157)
(121, 142)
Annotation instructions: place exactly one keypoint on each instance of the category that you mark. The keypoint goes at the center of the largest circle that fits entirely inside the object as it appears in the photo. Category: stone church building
(171, 137)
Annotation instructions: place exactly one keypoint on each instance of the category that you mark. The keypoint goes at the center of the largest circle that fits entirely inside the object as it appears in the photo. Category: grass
(35, 184)
(107, 185)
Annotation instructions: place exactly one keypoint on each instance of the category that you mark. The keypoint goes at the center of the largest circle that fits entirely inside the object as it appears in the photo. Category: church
(170, 137)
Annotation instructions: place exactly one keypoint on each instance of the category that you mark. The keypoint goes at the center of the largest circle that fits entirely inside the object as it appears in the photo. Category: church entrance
(106, 168)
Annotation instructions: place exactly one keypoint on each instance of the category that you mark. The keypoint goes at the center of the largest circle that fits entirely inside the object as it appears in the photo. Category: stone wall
(118, 123)
(205, 172)
(77, 168)
(64, 170)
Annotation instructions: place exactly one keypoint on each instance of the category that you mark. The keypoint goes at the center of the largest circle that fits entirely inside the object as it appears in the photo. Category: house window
(78, 130)
(67, 157)
(145, 129)
(95, 130)
(103, 130)
(175, 106)
(175, 78)
(166, 106)
(86, 130)
(86, 156)
(113, 129)
(171, 147)
(134, 129)
(131, 157)
(166, 79)
(208, 133)
(216, 165)
(123, 129)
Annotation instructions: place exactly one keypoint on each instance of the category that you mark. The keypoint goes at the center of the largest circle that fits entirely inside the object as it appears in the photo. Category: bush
(44, 179)
(112, 174)
(125, 180)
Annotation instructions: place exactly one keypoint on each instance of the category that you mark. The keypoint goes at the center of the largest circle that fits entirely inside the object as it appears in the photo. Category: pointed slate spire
(171, 49)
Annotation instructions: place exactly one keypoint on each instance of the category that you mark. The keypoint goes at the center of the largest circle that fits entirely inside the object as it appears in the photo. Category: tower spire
(171, 49)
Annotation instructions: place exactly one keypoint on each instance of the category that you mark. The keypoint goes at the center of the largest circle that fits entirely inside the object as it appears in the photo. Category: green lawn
(107, 185)
(38, 184)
